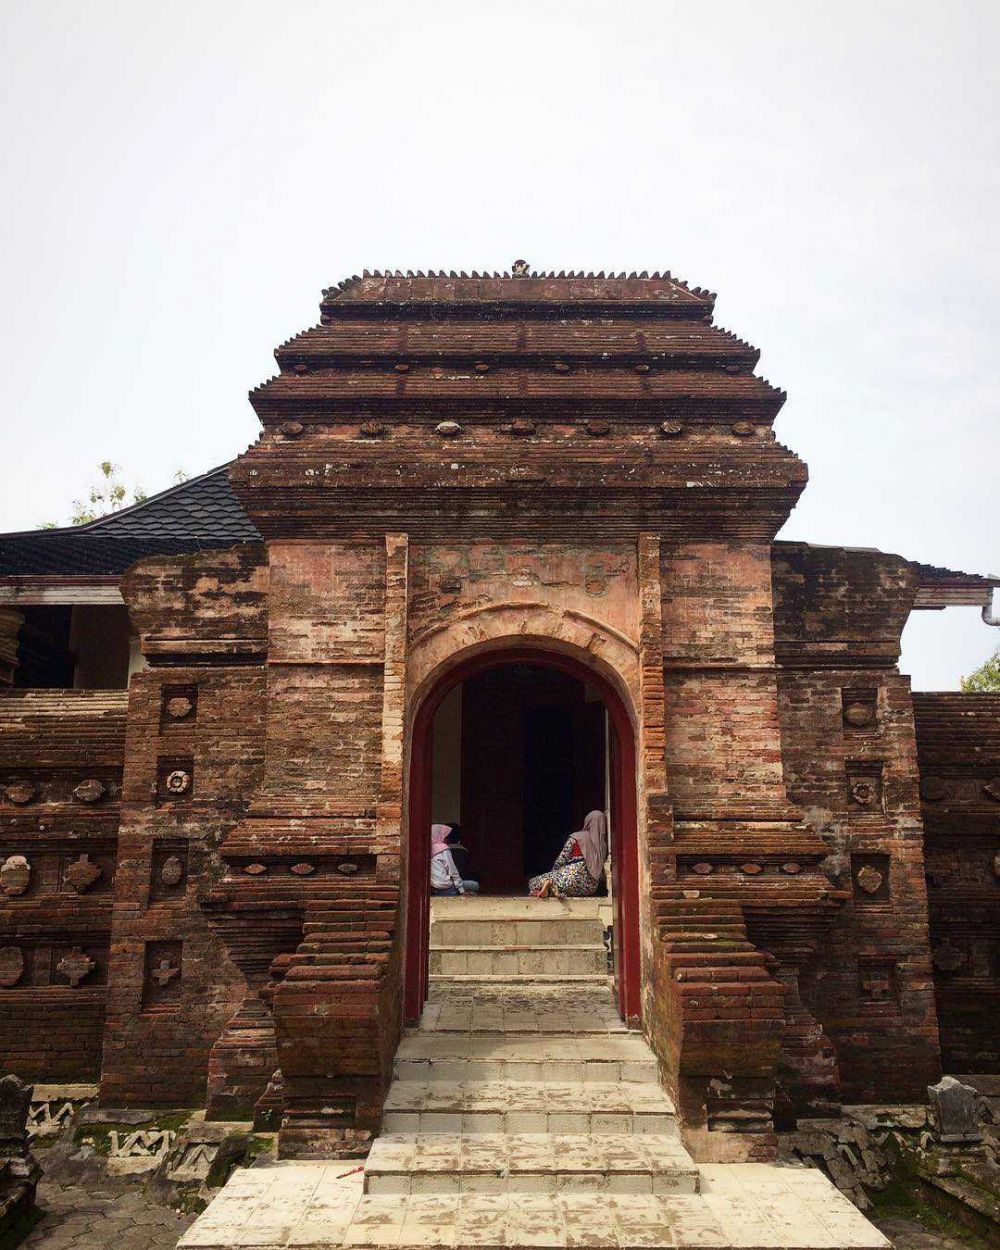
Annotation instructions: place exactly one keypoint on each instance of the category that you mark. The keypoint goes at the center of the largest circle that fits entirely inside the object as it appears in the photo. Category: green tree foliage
(986, 678)
(109, 494)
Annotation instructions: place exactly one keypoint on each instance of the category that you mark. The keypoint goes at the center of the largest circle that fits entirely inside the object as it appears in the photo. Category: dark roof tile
(200, 513)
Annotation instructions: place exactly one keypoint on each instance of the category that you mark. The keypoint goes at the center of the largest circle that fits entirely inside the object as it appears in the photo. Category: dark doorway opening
(519, 760)
(436, 788)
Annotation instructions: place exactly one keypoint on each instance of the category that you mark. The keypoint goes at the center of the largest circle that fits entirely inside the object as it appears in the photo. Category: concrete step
(530, 1008)
(516, 907)
(517, 979)
(425, 1056)
(546, 931)
(576, 959)
(517, 1107)
(321, 1205)
(493, 1163)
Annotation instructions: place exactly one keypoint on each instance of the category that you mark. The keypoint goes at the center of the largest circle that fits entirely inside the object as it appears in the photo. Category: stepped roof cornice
(659, 291)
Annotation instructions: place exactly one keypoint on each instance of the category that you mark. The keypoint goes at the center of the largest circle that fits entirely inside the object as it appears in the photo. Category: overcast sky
(181, 179)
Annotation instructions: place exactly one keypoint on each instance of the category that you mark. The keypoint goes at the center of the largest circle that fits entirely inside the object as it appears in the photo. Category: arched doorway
(559, 787)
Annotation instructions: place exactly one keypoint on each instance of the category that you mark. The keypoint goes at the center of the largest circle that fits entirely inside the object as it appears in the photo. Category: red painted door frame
(624, 834)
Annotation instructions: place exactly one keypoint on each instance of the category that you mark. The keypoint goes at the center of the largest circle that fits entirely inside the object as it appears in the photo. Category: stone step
(518, 979)
(577, 959)
(426, 1056)
(531, 1008)
(321, 1205)
(516, 907)
(797, 1217)
(493, 1163)
(546, 931)
(517, 1107)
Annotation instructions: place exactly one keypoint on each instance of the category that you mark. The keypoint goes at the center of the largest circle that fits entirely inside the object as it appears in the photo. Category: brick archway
(624, 832)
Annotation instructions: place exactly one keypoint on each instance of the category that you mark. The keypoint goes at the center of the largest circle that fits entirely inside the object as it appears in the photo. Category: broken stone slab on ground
(205, 1145)
(55, 1107)
(954, 1111)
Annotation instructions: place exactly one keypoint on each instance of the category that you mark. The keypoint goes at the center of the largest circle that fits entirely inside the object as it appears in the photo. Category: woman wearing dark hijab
(580, 864)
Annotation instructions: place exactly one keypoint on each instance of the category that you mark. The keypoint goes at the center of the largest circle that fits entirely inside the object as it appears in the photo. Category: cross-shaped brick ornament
(75, 965)
(164, 973)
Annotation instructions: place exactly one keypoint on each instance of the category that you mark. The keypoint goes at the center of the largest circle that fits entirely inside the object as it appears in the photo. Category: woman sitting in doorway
(580, 864)
(446, 880)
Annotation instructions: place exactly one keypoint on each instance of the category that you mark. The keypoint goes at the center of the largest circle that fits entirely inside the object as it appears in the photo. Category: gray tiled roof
(200, 513)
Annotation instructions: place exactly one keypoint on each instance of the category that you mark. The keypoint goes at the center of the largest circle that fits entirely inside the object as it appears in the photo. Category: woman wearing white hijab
(580, 864)
(445, 877)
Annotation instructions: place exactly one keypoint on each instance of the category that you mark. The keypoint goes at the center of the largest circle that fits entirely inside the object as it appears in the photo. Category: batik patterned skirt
(568, 875)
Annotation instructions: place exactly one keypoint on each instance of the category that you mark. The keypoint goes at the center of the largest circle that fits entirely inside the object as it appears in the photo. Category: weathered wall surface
(740, 900)
(308, 904)
(850, 759)
(60, 785)
(958, 746)
(193, 761)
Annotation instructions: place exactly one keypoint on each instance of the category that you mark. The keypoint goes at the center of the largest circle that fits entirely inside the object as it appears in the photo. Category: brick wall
(850, 762)
(958, 747)
(194, 755)
(60, 787)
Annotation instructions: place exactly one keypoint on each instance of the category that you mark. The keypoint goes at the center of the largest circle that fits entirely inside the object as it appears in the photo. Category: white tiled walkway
(524, 1114)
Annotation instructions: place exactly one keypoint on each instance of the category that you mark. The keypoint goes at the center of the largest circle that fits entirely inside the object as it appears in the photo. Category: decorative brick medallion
(81, 874)
(162, 976)
(11, 966)
(21, 792)
(75, 966)
(90, 791)
(15, 875)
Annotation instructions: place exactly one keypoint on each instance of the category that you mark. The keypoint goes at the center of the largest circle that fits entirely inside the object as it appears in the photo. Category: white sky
(180, 180)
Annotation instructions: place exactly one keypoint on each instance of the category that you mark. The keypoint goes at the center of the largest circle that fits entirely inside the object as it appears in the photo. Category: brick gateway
(206, 877)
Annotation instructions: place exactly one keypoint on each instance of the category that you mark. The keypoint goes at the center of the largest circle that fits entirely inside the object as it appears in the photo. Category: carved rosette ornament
(869, 879)
(671, 429)
(703, 868)
(859, 714)
(75, 966)
(11, 966)
(15, 875)
(372, 429)
(303, 869)
(171, 871)
(81, 874)
(179, 707)
(90, 791)
(863, 793)
(347, 868)
(742, 429)
(447, 429)
(178, 781)
(21, 792)
(751, 869)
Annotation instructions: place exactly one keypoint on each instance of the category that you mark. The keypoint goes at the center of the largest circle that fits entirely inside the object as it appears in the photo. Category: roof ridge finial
(519, 269)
